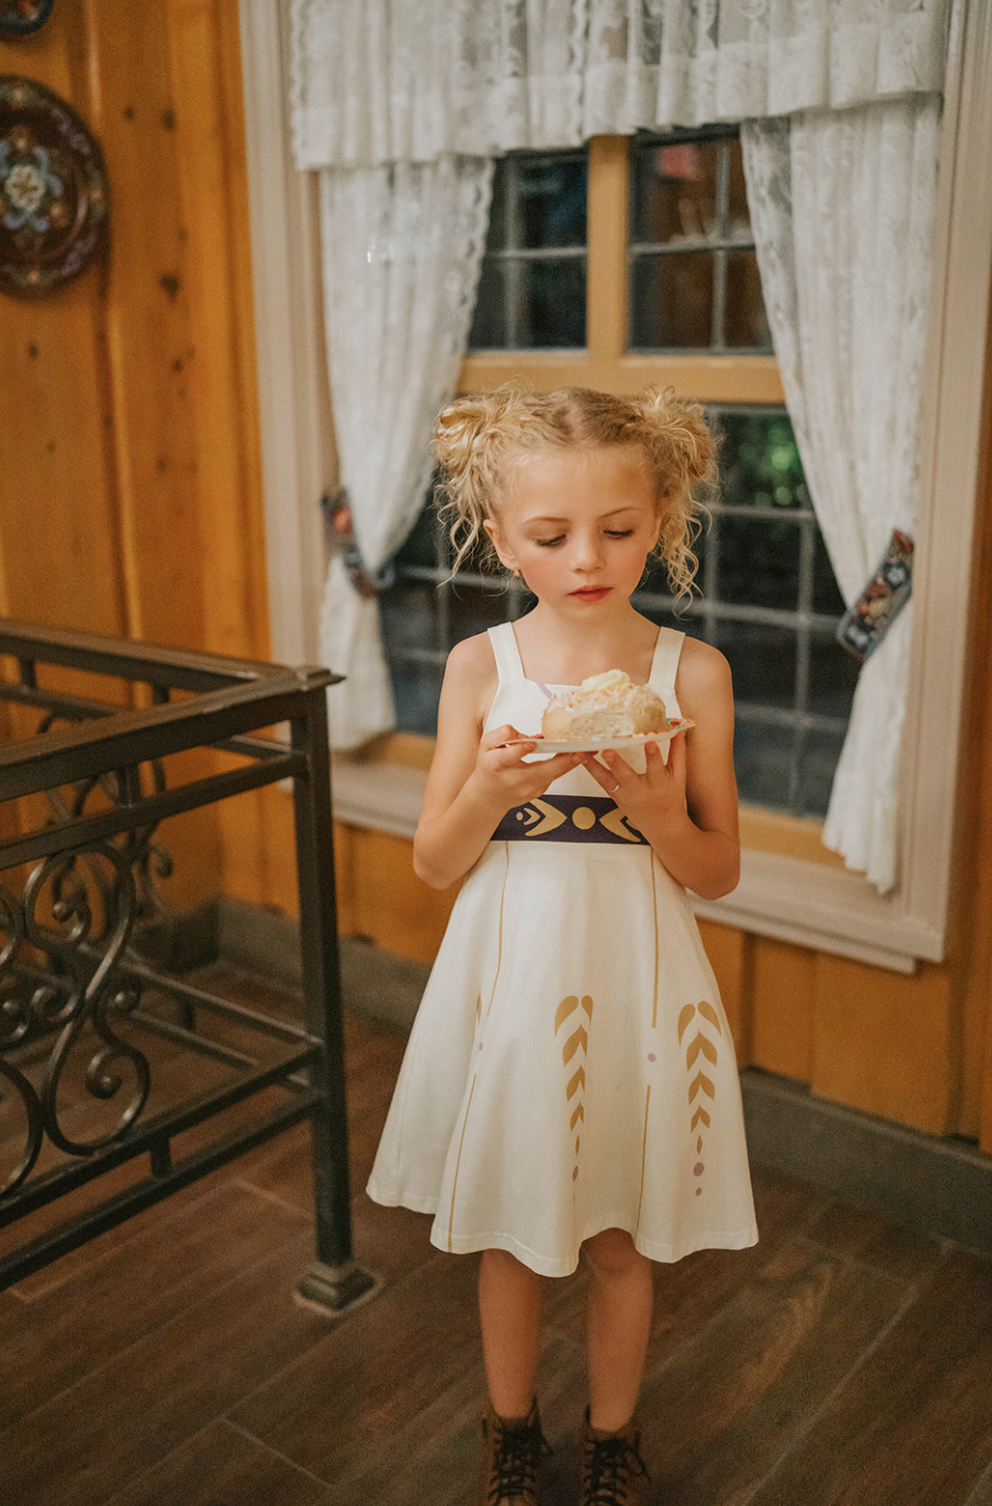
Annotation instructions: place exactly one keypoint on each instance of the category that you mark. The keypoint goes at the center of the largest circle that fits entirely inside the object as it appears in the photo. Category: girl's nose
(588, 552)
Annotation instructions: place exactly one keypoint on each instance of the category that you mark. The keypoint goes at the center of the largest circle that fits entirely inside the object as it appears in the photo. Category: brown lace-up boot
(612, 1467)
(513, 1450)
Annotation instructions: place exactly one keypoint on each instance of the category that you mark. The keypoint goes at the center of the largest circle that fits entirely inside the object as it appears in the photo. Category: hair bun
(681, 426)
(459, 427)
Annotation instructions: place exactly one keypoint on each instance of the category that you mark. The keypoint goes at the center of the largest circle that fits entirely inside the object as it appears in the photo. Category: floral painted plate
(53, 190)
(19, 18)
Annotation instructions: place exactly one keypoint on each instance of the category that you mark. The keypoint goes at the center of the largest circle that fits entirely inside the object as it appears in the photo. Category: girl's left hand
(658, 794)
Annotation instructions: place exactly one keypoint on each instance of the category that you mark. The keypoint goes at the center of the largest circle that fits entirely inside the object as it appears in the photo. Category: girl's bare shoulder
(470, 675)
(703, 677)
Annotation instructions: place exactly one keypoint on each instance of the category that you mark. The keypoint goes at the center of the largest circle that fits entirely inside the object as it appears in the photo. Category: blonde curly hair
(480, 440)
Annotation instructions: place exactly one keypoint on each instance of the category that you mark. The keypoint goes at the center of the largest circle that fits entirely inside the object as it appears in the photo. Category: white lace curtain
(842, 209)
(410, 80)
(382, 82)
(401, 246)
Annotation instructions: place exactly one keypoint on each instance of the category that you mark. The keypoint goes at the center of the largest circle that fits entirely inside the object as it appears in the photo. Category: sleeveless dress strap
(506, 653)
(665, 664)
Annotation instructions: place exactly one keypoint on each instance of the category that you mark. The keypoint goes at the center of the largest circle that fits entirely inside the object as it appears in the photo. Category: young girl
(569, 1088)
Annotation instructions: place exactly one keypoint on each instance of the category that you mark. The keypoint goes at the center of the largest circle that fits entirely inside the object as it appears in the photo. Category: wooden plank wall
(130, 499)
(130, 502)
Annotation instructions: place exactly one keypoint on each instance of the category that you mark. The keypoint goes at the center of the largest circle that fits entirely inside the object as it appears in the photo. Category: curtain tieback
(341, 540)
(864, 625)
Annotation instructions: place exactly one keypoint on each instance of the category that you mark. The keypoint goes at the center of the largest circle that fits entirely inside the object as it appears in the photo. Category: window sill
(809, 903)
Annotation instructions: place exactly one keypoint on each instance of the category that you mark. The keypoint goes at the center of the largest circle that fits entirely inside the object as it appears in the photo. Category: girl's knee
(502, 1263)
(612, 1253)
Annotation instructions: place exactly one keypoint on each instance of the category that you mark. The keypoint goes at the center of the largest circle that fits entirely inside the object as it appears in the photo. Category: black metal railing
(112, 1064)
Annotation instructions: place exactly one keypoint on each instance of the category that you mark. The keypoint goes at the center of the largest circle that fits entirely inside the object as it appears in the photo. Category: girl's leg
(619, 1322)
(510, 1314)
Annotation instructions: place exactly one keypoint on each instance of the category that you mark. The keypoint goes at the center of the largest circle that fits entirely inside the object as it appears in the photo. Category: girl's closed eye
(559, 538)
(619, 533)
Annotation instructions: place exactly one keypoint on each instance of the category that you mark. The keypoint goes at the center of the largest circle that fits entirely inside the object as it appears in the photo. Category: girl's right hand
(501, 773)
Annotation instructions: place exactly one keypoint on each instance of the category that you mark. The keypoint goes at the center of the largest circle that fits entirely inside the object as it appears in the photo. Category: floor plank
(913, 1426)
(389, 1360)
(148, 1281)
(222, 1465)
(124, 1416)
(721, 1411)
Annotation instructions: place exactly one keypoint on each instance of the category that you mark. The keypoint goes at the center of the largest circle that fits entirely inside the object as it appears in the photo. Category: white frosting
(605, 705)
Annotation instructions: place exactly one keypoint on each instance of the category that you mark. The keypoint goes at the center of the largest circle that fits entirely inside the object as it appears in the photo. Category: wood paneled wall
(130, 503)
(130, 498)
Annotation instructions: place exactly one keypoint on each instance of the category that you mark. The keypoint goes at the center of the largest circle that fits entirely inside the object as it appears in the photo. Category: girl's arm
(473, 780)
(687, 810)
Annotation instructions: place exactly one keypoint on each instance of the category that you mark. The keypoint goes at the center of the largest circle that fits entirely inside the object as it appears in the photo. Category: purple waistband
(567, 818)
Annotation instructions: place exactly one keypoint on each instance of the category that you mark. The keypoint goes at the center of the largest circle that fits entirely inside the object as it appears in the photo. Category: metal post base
(336, 1289)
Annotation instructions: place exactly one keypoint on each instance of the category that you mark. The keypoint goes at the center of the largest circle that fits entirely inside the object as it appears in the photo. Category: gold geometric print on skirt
(701, 1085)
(575, 1046)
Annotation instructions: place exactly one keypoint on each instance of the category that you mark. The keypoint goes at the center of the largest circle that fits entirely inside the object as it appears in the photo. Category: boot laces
(518, 1452)
(612, 1462)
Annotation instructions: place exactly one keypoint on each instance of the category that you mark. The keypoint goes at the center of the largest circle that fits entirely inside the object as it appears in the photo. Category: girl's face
(579, 525)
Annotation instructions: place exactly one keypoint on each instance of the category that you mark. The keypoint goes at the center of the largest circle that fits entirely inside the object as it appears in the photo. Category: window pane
(409, 618)
(416, 692)
(488, 330)
(671, 301)
(833, 676)
(763, 758)
(758, 561)
(759, 461)
(552, 304)
(530, 296)
(675, 192)
(820, 752)
(691, 194)
(745, 325)
(552, 202)
(762, 660)
(421, 546)
(473, 609)
(826, 592)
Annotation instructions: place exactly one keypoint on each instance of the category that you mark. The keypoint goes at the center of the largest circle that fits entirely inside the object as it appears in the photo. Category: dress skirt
(570, 1068)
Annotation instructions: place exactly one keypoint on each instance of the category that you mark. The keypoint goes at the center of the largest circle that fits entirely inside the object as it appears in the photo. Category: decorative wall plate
(18, 18)
(53, 191)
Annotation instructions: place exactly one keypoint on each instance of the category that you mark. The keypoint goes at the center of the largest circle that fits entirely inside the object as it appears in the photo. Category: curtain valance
(378, 81)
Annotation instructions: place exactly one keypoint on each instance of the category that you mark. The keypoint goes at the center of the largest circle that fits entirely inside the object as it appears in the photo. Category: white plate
(597, 744)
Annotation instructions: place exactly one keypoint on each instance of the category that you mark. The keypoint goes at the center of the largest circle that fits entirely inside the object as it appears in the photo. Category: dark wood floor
(845, 1361)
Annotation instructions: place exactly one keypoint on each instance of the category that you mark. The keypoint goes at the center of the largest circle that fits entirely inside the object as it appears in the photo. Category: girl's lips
(592, 593)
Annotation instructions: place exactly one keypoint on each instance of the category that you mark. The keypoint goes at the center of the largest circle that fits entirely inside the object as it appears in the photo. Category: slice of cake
(606, 705)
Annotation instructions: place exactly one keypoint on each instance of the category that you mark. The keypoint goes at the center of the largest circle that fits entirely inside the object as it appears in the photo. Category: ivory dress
(570, 1068)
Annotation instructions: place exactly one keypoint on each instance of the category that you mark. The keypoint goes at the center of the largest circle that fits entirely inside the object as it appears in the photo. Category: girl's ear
(503, 553)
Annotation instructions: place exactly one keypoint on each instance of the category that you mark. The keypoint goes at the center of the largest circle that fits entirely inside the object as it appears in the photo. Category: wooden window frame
(790, 889)
(606, 363)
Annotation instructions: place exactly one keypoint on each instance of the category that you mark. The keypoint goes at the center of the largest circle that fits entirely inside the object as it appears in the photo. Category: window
(781, 893)
(532, 284)
(694, 281)
(767, 596)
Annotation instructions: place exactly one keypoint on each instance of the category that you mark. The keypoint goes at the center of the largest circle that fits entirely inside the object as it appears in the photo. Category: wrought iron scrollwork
(153, 933)
(60, 970)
